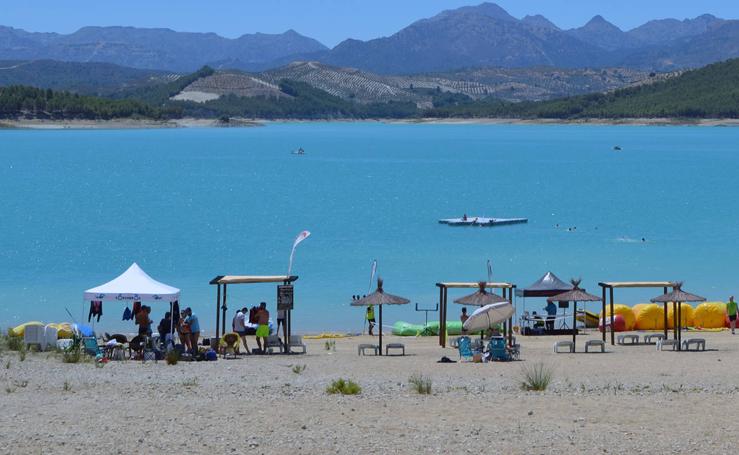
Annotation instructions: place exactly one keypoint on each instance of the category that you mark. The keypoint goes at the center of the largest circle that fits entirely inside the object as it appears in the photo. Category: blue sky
(329, 21)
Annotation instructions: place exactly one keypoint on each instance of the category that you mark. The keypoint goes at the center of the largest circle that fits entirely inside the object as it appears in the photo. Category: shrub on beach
(344, 387)
(536, 377)
(421, 384)
(172, 357)
(73, 354)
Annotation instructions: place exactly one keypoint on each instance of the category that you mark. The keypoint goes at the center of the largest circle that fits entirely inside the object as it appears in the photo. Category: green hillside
(709, 92)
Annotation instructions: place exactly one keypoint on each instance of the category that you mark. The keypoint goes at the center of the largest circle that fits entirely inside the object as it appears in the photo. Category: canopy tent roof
(252, 279)
(637, 284)
(133, 284)
(472, 285)
(547, 286)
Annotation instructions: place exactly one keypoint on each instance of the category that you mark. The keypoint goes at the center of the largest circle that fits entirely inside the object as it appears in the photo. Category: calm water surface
(77, 207)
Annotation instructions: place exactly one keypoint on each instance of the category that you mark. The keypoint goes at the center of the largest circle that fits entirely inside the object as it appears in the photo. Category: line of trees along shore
(710, 92)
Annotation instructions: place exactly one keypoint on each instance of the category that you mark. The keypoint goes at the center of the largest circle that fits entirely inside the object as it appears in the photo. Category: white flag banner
(302, 236)
(372, 275)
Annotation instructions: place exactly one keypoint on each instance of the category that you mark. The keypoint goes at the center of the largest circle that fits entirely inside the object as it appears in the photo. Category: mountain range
(469, 37)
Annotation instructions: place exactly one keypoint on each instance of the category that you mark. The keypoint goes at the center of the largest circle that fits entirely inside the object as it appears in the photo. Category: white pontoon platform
(482, 221)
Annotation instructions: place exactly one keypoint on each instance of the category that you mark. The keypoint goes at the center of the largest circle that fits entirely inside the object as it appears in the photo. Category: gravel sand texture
(629, 400)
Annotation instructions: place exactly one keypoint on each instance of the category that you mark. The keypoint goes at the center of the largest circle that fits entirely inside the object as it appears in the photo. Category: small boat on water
(616, 148)
(299, 151)
(482, 221)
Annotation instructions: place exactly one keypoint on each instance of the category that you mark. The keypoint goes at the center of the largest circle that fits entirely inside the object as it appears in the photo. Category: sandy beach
(632, 399)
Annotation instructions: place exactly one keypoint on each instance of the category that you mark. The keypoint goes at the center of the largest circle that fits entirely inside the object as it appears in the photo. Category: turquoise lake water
(78, 207)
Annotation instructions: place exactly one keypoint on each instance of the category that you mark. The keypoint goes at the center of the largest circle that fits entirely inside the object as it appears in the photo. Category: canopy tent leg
(442, 317)
(574, 324)
(665, 315)
(380, 329)
(223, 308)
(218, 311)
(613, 329)
(603, 314)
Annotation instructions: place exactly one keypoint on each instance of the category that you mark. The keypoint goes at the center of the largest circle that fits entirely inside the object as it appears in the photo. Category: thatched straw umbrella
(574, 296)
(677, 297)
(481, 298)
(380, 298)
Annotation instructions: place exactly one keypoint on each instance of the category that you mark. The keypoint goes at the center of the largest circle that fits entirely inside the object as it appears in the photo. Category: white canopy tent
(134, 285)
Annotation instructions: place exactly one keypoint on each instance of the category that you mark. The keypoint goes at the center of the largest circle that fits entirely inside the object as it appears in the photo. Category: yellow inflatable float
(710, 315)
(650, 317)
(625, 312)
(686, 316)
(19, 331)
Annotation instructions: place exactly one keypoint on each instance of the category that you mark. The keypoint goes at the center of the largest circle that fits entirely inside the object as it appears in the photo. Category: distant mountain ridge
(152, 48)
(481, 36)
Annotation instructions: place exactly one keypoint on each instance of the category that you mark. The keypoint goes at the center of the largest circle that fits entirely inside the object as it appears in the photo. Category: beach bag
(210, 355)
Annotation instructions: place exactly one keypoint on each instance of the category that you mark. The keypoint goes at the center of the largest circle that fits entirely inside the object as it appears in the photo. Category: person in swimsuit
(262, 326)
(194, 323)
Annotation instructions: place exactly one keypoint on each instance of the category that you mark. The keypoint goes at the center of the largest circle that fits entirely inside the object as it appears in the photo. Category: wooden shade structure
(480, 298)
(677, 297)
(507, 290)
(222, 281)
(574, 296)
(609, 286)
(380, 298)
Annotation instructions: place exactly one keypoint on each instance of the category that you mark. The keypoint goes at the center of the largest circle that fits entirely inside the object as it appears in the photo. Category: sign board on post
(285, 297)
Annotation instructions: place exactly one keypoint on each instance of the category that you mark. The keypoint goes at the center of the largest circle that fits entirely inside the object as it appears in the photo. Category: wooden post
(442, 307)
(218, 311)
(679, 325)
(223, 308)
(574, 324)
(380, 329)
(603, 312)
(665, 307)
(613, 329)
(674, 321)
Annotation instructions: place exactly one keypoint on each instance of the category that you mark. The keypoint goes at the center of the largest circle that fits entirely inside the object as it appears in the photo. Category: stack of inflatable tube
(686, 315)
(406, 329)
(649, 316)
(710, 315)
(625, 312)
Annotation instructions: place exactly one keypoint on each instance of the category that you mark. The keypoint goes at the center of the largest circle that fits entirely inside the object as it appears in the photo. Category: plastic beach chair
(464, 345)
(296, 341)
(273, 341)
(499, 351)
(50, 336)
(90, 345)
(34, 335)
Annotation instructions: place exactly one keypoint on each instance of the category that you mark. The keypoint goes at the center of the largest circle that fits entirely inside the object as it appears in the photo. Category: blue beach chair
(499, 351)
(464, 344)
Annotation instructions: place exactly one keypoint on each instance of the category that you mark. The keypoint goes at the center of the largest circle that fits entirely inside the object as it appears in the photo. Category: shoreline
(123, 124)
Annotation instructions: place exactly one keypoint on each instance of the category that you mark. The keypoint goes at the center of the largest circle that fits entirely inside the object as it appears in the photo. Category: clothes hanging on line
(127, 314)
(136, 308)
(96, 309)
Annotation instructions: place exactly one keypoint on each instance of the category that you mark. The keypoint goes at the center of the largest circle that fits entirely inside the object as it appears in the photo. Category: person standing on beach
(731, 310)
(463, 317)
(194, 323)
(262, 326)
(551, 310)
(239, 326)
(371, 319)
(281, 315)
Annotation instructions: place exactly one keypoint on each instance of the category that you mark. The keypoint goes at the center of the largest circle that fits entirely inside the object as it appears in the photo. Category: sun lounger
(653, 338)
(362, 348)
(394, 346)
(595, 344)
(698, 343)
(563, 344)
(272, 342)
(296, 341)
(628, 339)
(50, 336)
